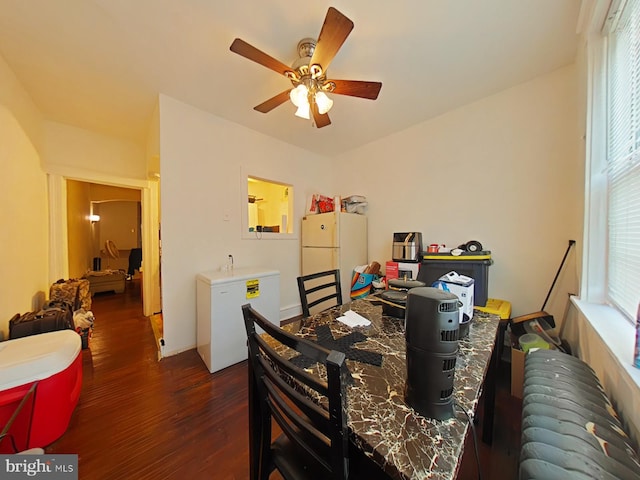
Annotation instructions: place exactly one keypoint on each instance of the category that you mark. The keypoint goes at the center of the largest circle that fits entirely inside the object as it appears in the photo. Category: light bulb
(298, 95)
(303, 111)
(324, 103)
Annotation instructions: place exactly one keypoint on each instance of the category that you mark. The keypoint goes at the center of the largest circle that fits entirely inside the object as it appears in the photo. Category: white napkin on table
(353, 319)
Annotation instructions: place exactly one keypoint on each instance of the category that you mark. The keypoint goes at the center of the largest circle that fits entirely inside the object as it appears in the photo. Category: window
(267, 210)
(623, 159)
(601, 330)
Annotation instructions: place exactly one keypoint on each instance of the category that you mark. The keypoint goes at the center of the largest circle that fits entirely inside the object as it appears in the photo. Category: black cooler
(471, 264)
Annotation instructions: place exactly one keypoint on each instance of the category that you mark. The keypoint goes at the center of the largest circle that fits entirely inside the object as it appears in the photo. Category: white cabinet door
(228, 335)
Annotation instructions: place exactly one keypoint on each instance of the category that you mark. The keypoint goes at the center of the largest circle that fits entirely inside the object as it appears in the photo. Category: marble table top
(405, 444)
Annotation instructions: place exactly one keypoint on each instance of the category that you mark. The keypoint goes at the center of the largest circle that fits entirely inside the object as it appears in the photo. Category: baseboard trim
(289, 313)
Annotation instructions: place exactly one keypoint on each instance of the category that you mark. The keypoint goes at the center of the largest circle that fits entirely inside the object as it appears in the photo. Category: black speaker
(431, 333)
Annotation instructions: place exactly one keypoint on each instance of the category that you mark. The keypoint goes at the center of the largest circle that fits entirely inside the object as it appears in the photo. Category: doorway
(59, 265)
(104, 228)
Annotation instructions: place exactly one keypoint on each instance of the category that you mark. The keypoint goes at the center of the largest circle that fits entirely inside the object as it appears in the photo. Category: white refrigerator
(221, 337)
(334, 240)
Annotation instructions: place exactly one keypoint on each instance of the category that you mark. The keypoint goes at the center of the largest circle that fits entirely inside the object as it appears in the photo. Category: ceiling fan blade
(334, 32)
(273, 102)
(320, 119)
(357, 88)
(242, 48)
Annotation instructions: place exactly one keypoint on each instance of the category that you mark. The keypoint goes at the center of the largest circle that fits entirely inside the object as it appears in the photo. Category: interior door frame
(58, 239)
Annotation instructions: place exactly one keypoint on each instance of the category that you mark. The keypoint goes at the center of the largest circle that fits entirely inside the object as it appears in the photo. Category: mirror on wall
(268, 208)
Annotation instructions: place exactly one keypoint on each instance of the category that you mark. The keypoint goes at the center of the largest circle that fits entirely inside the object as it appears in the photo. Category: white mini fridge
(221, 338)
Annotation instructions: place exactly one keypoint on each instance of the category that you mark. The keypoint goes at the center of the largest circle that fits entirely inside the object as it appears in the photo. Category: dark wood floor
(140, 418)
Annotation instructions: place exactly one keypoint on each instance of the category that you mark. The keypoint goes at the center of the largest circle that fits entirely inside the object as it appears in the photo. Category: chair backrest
(310, 411)
(321, 289)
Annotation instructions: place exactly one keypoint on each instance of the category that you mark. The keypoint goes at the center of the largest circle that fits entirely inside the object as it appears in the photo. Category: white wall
(504, 170)
(120, 223)
(201, 160)
(16, 99)
(153, 144)
(23, 203)
(24, 227)
(72, 147)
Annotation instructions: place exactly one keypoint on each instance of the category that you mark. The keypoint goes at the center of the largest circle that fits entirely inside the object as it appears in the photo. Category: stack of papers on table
(354, 319)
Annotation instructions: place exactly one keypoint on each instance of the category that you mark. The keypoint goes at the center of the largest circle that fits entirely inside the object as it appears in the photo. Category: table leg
(490, 386)
(255, 433)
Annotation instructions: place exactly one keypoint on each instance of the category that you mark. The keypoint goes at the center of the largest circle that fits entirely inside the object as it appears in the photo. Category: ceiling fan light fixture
(298, 96)
(308, 73)
(324, 103)
(303, 111)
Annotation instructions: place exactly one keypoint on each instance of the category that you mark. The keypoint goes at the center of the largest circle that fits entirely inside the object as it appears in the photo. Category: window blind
(623, 161)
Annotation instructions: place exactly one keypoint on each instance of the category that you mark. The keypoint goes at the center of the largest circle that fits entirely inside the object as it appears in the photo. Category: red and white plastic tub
(54, 361)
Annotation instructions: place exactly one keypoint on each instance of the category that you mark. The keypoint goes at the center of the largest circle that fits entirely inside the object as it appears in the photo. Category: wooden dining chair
(321, 289)
(309, 410)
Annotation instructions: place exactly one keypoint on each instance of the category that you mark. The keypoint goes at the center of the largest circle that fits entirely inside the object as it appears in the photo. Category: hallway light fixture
(94, 218)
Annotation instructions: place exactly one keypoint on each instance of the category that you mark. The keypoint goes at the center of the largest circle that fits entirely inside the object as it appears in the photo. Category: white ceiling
(100, 64)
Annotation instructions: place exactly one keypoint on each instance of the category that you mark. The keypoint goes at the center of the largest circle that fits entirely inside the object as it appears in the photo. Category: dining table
(401, 442)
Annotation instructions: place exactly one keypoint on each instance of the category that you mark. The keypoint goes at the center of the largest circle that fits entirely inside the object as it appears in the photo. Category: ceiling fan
(308, 74)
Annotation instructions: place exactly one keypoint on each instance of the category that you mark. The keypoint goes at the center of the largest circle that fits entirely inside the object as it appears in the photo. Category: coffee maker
(407, 247)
